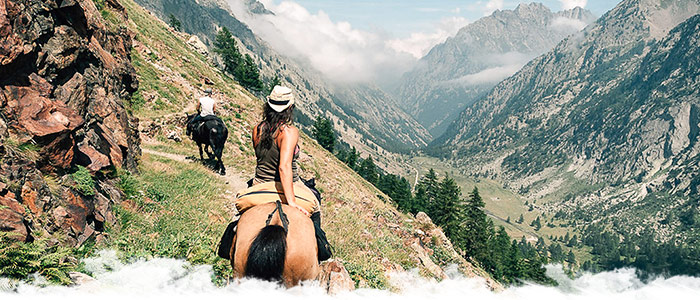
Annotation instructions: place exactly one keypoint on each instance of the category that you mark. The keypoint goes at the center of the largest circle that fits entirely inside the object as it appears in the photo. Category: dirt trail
(234, 181)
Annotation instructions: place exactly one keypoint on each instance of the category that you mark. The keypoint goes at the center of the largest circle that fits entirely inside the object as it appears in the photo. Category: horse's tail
(266, 254)
(217, 138)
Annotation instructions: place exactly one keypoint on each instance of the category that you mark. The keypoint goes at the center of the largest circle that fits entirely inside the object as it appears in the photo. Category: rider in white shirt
(205, 106)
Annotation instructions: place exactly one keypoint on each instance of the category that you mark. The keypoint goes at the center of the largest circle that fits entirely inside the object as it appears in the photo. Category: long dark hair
(271, 123)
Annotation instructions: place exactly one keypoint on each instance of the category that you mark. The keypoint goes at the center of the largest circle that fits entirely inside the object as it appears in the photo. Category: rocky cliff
(603, 127)
(464, 68)
(64, 73)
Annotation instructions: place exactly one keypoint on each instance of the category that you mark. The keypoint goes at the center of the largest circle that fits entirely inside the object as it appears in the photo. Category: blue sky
(403, 17)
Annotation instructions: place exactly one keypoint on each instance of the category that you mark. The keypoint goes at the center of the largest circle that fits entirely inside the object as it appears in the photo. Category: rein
(283, 216)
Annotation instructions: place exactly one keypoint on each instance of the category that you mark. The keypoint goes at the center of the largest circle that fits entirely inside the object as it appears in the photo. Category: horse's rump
(210, 131)
(300, 256)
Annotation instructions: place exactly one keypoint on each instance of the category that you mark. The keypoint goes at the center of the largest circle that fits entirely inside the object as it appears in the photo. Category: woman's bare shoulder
(289, 130)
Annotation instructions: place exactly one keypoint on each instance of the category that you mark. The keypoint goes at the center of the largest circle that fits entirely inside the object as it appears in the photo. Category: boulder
(80, 278)
(423, 218)
(426, 261)
(334, 278)
(3, 128)
(12, 218)
(197, 44)
(173, 135)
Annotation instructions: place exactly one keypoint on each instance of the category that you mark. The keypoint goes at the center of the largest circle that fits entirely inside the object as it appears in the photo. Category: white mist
(163, 278)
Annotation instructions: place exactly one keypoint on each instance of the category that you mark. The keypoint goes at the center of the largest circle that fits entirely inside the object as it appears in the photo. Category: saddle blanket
(272, 191)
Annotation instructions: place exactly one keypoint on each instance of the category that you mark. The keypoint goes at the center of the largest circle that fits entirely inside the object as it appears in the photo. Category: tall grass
(172, 209)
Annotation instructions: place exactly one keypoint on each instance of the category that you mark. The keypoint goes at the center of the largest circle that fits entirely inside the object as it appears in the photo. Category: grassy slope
(179, 208)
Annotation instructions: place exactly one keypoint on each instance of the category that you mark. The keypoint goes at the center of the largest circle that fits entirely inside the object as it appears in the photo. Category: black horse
(212, 132)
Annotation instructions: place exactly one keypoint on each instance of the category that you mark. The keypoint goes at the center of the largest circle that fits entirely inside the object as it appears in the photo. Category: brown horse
(271, 252)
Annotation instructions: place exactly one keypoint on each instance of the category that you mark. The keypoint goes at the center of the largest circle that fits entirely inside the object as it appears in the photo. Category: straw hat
(280, 98)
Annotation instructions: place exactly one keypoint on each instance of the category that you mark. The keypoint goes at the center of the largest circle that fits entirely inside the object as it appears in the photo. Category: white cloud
(502, 66)
(492, 5)
(338, 50)
(563, 24)
(490, 75)
(569, 4)
(418, 44)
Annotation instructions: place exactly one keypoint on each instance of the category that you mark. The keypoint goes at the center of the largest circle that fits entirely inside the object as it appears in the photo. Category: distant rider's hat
(207, 91)
(280, 98)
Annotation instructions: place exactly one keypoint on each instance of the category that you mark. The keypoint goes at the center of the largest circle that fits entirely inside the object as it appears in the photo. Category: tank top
(206, 106)
(268, 161)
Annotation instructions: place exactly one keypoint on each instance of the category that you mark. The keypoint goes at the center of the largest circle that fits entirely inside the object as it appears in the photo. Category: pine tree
(556, 254)
(537, 224)
(573, 242)
(570, 258)
(271, 85)
(514, 269)
(174, 22)
(426, 191)
(323, 133)
(225, 45)
(520, 219)
(397, 188)
(445, 210)
(499, 248)
(352, 158)
(248, 75)
(368, 170)
(476, 227)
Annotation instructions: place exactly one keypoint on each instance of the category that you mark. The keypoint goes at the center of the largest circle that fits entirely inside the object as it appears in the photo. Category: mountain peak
(530, 7)
(658, 17)
(455, 73)
(577, 13)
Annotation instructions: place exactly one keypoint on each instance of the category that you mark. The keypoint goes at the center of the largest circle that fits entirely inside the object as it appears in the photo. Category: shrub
(19, 260)
(84, 183)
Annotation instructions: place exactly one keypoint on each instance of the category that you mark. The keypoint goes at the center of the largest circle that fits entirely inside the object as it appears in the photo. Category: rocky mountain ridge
(65, 73)
(604, 127)
(465, 67)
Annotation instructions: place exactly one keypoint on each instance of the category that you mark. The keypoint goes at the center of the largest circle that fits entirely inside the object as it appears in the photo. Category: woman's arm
(287, 141)
(254, 136)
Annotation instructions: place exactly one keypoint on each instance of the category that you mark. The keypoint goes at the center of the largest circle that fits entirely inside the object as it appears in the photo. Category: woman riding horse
(275, 141)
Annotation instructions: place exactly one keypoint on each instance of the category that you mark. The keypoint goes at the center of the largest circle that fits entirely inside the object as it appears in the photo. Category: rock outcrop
(64, 72)
(334, 278)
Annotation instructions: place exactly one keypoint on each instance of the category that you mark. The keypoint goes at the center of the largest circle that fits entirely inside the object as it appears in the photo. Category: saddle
(203, 120)
(272, 191)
